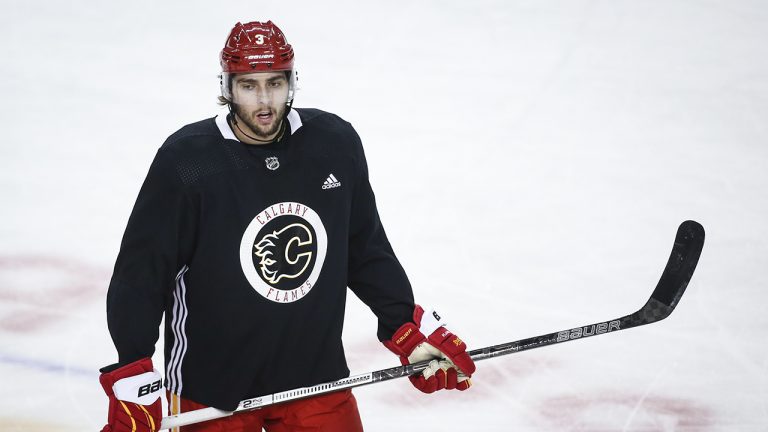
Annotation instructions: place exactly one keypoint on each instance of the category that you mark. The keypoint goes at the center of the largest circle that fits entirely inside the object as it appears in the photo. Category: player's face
(260, 101)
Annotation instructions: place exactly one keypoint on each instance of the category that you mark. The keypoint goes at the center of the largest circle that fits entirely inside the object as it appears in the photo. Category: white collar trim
(226, 131)
(294, 120)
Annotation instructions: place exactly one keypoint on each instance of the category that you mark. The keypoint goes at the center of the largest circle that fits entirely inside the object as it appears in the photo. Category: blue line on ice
(47, 366)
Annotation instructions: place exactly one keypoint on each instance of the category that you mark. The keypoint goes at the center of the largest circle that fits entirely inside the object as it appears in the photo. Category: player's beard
(262, 132)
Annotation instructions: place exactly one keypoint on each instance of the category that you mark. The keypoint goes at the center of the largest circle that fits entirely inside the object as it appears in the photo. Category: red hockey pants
(332, 412)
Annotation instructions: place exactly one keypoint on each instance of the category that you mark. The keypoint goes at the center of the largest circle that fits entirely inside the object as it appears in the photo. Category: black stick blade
(689, 242)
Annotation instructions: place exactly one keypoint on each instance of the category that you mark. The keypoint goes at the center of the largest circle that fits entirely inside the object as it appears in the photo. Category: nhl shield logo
(283, 250)
(272, 163)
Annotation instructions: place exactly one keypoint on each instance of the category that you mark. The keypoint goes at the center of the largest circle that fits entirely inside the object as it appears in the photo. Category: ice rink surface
(532, 161)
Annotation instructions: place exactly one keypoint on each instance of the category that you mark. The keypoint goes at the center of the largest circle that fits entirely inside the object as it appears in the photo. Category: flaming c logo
(283, 250)
(283, 247)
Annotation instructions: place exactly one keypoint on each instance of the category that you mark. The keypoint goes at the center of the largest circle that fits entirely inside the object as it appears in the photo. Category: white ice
(531, 160)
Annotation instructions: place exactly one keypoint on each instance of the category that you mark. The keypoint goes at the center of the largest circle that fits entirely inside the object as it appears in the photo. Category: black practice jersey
(248, 251)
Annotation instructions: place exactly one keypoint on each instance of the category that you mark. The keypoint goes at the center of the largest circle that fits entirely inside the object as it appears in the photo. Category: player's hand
(426, 338)
(134, 397)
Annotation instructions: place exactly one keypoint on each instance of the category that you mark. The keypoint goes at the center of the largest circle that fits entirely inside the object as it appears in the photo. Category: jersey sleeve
(374, 273)
(156, 243)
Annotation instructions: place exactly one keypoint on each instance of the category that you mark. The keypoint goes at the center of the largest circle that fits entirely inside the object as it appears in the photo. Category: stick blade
(682, 262)
(689, 242)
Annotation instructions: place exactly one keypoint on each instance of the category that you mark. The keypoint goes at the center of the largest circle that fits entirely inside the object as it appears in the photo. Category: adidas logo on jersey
(331, 182)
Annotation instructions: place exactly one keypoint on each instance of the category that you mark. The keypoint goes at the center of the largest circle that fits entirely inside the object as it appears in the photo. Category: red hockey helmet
(256, 47)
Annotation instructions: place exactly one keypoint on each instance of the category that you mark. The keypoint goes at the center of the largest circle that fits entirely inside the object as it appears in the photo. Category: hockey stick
(677, 273)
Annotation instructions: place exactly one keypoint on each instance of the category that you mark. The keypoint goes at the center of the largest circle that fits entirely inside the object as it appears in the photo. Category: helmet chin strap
(233, 118)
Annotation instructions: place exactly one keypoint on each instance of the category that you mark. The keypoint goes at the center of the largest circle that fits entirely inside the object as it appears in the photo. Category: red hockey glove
(450, 368)
(134, 397)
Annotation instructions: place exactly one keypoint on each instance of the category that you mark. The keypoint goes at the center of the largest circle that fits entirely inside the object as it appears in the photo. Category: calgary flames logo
(281, 253)
(283, 250)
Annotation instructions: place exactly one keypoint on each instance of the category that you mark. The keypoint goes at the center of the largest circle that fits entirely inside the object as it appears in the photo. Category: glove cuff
(405, 340)
(108, 379)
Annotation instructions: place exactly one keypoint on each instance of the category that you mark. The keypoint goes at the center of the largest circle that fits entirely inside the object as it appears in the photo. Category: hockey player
(246, 234)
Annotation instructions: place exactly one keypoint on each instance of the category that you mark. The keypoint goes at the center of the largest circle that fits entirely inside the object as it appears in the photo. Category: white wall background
(532, 160)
